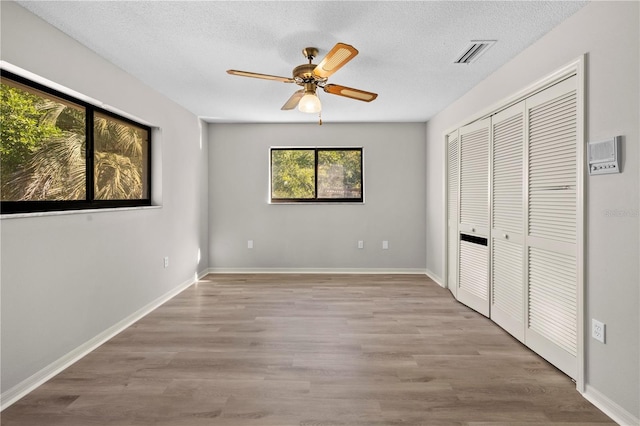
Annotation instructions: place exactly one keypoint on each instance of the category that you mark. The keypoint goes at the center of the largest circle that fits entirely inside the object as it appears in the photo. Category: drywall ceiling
(407, 50)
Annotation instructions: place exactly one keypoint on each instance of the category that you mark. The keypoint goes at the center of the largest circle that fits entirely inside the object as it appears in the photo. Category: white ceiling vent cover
(474, 50)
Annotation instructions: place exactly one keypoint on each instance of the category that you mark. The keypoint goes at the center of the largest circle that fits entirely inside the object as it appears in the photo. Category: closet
(514, 218)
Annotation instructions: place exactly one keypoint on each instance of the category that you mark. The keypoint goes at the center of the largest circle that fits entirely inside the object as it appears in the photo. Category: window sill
(315, 203)
(68, 212)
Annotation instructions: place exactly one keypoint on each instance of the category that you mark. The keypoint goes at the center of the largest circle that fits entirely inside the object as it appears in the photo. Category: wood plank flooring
(309, 350)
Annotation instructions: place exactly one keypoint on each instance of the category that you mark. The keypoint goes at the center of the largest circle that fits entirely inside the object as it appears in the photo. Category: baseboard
(378, 271)
(18, 391)
(434, 277)
(610, 408)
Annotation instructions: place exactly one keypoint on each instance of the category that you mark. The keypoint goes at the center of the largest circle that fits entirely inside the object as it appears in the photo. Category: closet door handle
(506, 236)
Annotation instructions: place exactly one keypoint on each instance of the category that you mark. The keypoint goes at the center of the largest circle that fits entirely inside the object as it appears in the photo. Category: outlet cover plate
(598, 330)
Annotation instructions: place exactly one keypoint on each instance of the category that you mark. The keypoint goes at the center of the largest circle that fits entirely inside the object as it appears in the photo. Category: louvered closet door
(453, 169)
(507, 220)
(551, 249)
(473, 265)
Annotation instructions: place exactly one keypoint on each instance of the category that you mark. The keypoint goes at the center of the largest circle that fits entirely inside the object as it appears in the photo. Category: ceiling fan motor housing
(304, 71)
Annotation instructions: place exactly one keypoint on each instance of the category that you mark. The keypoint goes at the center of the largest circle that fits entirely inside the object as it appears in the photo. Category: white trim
(609, 407)
(435, 278)
(445, 206)
(79, 211)
(20, 390)
(581, 230)
(377, 271)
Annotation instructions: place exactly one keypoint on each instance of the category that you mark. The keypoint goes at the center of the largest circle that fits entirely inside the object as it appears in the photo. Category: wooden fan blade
(349, 92)
(262, 76)
(293, 100)
(335, 59)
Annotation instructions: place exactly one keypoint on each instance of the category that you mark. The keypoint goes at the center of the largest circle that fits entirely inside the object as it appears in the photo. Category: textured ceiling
(407, 49)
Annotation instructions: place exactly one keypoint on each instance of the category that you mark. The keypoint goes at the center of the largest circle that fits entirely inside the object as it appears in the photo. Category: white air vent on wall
(474, 50)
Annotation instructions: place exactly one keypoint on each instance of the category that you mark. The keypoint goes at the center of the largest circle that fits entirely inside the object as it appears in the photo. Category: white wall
(608, 32)
(317, 236)
(67, 278)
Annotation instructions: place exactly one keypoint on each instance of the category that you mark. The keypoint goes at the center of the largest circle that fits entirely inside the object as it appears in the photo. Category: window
(316, 174)
(60, 153)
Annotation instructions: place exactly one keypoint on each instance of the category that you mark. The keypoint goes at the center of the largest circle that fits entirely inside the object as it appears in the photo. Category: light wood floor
(309, 350)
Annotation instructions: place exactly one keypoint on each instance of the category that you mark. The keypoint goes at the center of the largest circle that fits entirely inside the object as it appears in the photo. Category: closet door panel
(507, 286)
(453, 171)
(551, 245)
(473, 290)
(507, 220)
(473, 266)
(474, 178)
(552, 296)
(552, 166)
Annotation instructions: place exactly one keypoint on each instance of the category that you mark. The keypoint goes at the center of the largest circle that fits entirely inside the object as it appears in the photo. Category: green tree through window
(43, 153)
(293, 174)
(43, 146)
(120, 159)
(316, 174)
(339, 174)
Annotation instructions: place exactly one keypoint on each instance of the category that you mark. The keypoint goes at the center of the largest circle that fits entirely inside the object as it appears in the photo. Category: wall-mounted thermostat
(604, 157)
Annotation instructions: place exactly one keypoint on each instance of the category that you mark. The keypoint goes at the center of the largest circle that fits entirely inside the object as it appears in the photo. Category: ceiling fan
(311, 76)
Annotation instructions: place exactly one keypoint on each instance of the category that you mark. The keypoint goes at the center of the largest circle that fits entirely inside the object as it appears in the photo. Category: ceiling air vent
(474, 50)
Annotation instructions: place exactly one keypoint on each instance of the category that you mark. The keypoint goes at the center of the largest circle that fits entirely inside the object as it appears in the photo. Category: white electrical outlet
(598, 330)
(385, 245)
(250, 244)
(360, 244)
(166, 261)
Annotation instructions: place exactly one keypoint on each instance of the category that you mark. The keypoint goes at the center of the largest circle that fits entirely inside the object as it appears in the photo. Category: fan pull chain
(320, 118)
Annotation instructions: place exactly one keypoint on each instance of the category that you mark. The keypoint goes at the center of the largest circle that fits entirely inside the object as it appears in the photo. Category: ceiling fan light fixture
(310, 103)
